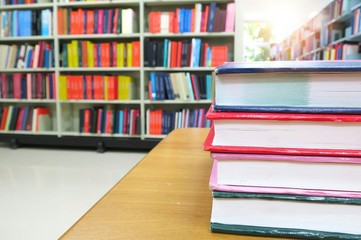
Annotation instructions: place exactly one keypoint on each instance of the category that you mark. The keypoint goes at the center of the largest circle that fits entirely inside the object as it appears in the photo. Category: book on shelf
(25, 118)
(180, 86)
(194, 52)
(286, 174)
(282, 215)
(27, 86)
(211, 17)
(96, 87)
(104, 54)
(289, 86)
(284, 133)
(162, 121)
(97, 21)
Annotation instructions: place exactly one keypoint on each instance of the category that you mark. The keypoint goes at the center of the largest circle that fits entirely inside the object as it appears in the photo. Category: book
(284, 133)
(286, 174)
(289, 86)
(282, 215)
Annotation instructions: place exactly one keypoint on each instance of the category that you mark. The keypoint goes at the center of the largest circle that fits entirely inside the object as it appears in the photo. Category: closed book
(286, 174)
(282, 215)
(289, 86)
(285, 133)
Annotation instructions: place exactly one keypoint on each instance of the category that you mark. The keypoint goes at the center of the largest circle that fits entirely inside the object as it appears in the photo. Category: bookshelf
(95, 78)
(333, 34)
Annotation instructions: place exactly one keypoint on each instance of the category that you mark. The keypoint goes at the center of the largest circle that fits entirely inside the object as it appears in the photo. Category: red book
(105, 54)
(174, 52)
(176, 20)
(99, 120)
(84, 54)
(109, 121)
(60, 21)
(3, 86)
(114, 54)
(3, 119)
(284, 133)
(89, 86)
(100, 21)
(136, 53)
(20, 119)
(86, 121)
(179, 54)
(171, 16)
(90, 22)
(17, 85)
(98, 87)
(81, 18)
(111, 88)
(96, 46)
(125, 121)
(73, 20)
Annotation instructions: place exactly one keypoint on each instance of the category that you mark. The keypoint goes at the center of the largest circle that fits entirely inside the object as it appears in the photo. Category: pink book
(287, 174)
(230, 17)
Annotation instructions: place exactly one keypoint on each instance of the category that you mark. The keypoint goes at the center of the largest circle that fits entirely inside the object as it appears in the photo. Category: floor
(43, 192)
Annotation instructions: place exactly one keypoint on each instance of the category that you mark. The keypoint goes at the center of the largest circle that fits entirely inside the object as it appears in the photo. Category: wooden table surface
(166, 196)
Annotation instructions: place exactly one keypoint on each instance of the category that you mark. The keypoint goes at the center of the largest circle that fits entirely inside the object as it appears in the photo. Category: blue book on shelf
(153, 83)
(46, 22)
(121, 121)
(209, 87)
(289, 86)
(212, 10)
(165, 56)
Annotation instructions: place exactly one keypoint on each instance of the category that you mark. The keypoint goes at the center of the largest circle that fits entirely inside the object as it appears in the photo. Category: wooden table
(166, 196)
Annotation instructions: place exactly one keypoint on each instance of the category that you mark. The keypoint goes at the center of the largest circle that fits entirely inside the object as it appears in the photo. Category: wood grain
(166, 196)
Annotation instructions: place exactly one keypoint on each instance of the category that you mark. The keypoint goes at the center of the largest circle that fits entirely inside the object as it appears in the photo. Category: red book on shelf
(96, 56)
(89, 86)
(105, 54)
(125, 121)
(171, 16)
(114, 54)
(81, 23)
(73, 20)
(60, 21)
(204, 22)
(17, 85)
(39, 83)
(111, 88)
(4, 117)
(99, 120)
(90, 22)
(109, 121)
(174, 52)
(98, 87)
(179, 54)
(20, 119)
(100, 21)
(284, 133)
(86, 121)
(84, 54)
(177, 19)
(136, 53)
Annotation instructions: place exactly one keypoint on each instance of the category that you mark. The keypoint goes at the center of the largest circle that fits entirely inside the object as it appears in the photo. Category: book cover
(289, 86)
(283, 133)
(282, 215)
(310, 176)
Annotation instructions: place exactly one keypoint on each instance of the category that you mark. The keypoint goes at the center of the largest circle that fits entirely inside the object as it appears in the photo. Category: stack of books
(286, 146)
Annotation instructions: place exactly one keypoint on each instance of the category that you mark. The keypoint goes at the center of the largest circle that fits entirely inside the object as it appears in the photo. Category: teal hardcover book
(281, 215)
(289, 86)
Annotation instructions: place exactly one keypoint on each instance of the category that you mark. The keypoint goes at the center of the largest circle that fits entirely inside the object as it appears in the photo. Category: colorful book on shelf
(282, 215)
(284, 133)
(286, 174)
(289, 86)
